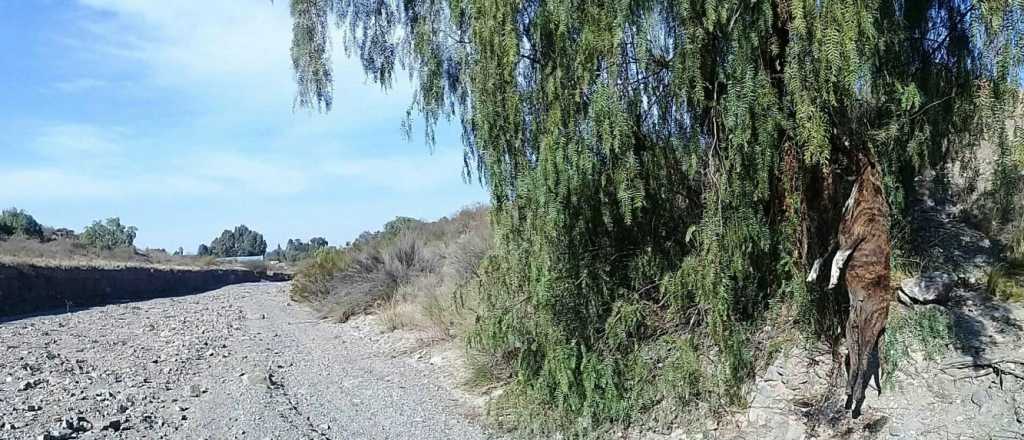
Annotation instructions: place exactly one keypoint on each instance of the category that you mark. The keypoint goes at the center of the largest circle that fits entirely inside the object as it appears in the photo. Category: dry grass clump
(416, 274)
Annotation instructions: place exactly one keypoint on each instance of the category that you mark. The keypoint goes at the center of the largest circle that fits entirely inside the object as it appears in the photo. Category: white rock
(929, 288)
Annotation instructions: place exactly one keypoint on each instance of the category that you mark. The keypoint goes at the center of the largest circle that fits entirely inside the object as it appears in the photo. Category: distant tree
(14, 221)
(204, 251)
(276, 254)
(241, 242)
(109, 235)
(318, 242)
(179, 252)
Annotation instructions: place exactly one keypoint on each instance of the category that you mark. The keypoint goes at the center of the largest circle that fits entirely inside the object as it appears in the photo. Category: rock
(103, 395)
(63, 434)
(980, 397)
(259, 377)
(929, 288)
(112, 425)
(195, 391)
(26, 385)
(77, 424)
(33, 408)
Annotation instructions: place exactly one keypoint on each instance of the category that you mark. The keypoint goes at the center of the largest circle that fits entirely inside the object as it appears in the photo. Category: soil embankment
(26, 289)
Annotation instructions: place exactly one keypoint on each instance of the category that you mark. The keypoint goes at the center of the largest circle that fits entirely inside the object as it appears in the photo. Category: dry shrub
(313, 279)
(417, 274)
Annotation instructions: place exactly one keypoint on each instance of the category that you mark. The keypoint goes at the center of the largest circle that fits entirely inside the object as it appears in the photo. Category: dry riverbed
(238, 362)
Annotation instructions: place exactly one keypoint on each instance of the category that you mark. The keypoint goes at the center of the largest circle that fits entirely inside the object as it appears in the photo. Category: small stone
(259, 377)
(112, 425)
(325, 427)
(33, 408)
(26, 385)
(195, 391)
(181, 408)
(980, 398)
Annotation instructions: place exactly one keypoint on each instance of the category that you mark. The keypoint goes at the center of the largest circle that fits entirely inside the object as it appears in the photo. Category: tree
(203, 251)
(241, 242)
(109, 235)
(14, 221)
(296, 250)
(663, 168)
(180, 252)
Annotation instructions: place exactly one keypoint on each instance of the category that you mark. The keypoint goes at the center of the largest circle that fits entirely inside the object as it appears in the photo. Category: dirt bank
(26, 289)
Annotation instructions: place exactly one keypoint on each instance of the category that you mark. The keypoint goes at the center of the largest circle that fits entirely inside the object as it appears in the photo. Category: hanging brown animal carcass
(864, 251)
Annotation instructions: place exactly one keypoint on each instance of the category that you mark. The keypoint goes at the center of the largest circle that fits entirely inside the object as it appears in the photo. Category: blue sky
(177, 116)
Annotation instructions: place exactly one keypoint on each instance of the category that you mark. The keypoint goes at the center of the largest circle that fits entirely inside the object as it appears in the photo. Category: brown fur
(865, 231)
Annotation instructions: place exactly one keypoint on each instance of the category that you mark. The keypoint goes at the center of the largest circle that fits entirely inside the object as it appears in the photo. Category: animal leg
(838, 263)
(878, 356)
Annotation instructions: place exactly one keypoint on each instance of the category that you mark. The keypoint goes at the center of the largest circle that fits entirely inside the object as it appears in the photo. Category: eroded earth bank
(238, 362)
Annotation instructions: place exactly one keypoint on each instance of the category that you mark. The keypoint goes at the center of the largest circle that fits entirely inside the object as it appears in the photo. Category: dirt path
(239, 362)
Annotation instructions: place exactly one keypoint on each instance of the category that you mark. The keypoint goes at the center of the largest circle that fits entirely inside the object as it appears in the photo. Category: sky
(178, 117)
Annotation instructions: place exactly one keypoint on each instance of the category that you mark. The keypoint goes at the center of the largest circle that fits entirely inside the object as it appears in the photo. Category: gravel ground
(238, 362)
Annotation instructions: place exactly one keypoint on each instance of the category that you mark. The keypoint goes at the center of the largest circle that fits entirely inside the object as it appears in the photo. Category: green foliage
(203, 251)
(928, 331)
(1006, 280)
(14, 221)
(109, 235)
(296, 250)
(241, 242)
(663, 168)
(312, 281)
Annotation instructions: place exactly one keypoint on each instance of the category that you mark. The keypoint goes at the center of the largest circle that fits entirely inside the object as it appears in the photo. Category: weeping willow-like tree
(662, 172)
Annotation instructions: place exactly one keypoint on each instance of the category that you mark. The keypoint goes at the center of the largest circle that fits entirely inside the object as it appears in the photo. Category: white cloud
(79, 85)
(79, 139)
(249, 172)
(228, 53)
(408, 173)
(51, 183)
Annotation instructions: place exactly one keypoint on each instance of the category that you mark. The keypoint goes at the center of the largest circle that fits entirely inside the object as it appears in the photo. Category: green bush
(927, 332)
(313, 279)
(296, 250)
(240, 242)
(109, 235)
(14, 221)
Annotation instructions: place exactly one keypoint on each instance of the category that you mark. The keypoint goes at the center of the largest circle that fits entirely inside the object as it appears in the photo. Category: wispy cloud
(76, 139)
(79, 85)
(401, 173)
